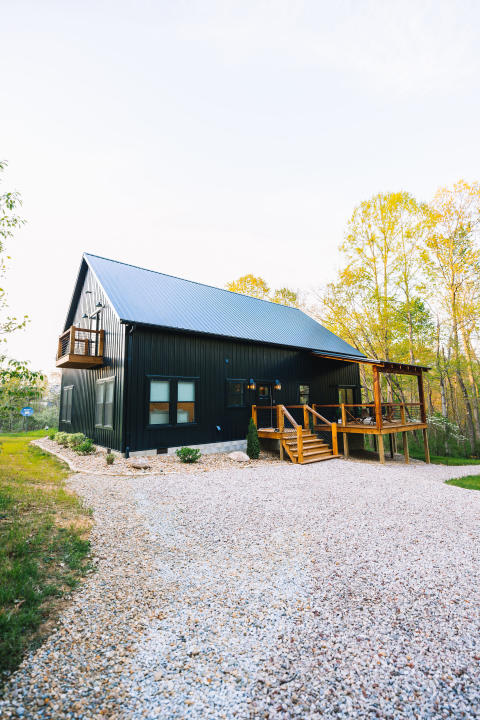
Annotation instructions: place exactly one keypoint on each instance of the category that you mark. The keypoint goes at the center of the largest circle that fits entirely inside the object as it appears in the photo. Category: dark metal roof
(152, 298)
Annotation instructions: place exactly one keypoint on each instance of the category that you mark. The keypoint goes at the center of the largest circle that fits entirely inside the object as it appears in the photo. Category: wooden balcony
(80, 348)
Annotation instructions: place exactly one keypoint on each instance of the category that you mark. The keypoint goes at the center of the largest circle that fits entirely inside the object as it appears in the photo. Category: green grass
(470, 482)
(446, 460)
(44, 544)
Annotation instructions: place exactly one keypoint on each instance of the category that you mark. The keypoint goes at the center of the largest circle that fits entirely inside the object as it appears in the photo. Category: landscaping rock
(139, 463)
(239, 456)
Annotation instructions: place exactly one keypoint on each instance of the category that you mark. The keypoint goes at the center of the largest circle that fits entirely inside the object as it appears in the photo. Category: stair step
(320, 458)
(313, 451)
(308, 443)
(316, 451)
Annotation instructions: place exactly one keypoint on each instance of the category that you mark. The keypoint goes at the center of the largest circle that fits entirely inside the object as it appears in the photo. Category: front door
(265, 413)
(264, 394)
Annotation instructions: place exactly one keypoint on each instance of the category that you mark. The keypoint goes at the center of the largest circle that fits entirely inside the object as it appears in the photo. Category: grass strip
(44, 546)
(470, 482)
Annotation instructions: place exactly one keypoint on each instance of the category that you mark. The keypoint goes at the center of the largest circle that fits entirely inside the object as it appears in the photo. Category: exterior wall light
(84, 316)
(99, 304)
(251, 385)
(278, 385)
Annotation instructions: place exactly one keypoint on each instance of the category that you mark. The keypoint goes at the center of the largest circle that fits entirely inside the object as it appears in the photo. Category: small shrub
(110, 458)
(51, 434)
(253, 444)
(188, 455)
(86, 447)
(61, 438)
(75, 439)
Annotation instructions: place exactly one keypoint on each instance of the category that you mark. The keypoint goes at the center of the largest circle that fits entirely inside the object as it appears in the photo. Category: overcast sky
(208, 140)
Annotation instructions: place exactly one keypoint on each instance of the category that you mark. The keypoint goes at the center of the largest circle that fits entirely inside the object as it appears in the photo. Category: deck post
(405, 447)
(377, 397)
(425, 445)
(59, 349)
(306, 424)
(334, 439)
(421, 397)
(280, 421)
(345, 436)
(254, 414)
(392, 451)
(300, 443)
(381, 449)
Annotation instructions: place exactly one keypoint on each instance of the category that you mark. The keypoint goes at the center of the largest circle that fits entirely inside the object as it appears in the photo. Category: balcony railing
(80, 348)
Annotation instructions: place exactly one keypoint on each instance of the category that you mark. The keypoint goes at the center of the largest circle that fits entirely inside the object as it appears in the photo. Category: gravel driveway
(342, 589)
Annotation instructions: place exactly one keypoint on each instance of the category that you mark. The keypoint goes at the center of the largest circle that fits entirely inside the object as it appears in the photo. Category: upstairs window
(235, 393)
(104, 394)
(67, 398)
(159, 408)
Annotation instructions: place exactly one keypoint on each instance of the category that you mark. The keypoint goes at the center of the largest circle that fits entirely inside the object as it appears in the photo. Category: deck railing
(369, 415)
(282, 414)
(81, 341)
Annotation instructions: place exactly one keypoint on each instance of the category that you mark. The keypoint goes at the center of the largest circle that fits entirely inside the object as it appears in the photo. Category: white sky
(208, 140)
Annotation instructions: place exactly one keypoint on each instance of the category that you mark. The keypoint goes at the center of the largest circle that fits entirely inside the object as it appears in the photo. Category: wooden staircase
(299, 442)
(314, 448)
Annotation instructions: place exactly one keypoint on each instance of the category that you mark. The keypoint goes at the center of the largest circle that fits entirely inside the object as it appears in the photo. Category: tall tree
(255, 286)
(453, 261)
(9, 223)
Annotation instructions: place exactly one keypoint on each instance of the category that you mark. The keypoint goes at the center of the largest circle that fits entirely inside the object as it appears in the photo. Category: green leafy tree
(9, 223)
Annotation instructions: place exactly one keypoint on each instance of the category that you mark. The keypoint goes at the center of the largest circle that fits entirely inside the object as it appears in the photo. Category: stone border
(75, 469)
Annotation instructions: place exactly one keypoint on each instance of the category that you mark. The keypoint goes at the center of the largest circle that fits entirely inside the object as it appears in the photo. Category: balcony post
(72, 341)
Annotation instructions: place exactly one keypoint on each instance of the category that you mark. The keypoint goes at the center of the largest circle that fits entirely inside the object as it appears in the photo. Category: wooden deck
(381, 422)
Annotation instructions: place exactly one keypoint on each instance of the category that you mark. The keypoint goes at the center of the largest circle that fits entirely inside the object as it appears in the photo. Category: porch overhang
(385, 366)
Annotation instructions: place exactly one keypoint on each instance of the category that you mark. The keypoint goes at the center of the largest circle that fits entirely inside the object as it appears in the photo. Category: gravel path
(340, 589)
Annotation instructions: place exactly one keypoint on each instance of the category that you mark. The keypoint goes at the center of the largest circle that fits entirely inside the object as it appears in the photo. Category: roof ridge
(195, 282)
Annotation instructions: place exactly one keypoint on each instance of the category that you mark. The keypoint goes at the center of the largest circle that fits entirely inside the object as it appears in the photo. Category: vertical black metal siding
(156, 352)
(83, 381)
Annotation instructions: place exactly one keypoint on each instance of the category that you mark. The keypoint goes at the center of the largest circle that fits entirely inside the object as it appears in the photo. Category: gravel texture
(333, 590)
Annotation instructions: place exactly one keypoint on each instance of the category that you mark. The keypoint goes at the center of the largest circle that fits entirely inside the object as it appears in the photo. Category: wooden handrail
(337, 405)
(68, 348)
(87, 330)
(317, 414)
(289, 417)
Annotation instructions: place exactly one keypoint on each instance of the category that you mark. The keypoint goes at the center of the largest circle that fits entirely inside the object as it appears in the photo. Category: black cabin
(152, 362)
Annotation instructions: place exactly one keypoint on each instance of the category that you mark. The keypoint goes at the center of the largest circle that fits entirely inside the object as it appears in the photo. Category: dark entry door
(266, 416)
(264, 394)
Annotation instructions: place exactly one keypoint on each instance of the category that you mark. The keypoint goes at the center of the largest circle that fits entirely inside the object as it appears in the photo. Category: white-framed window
(104, 397)
(67, 399)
